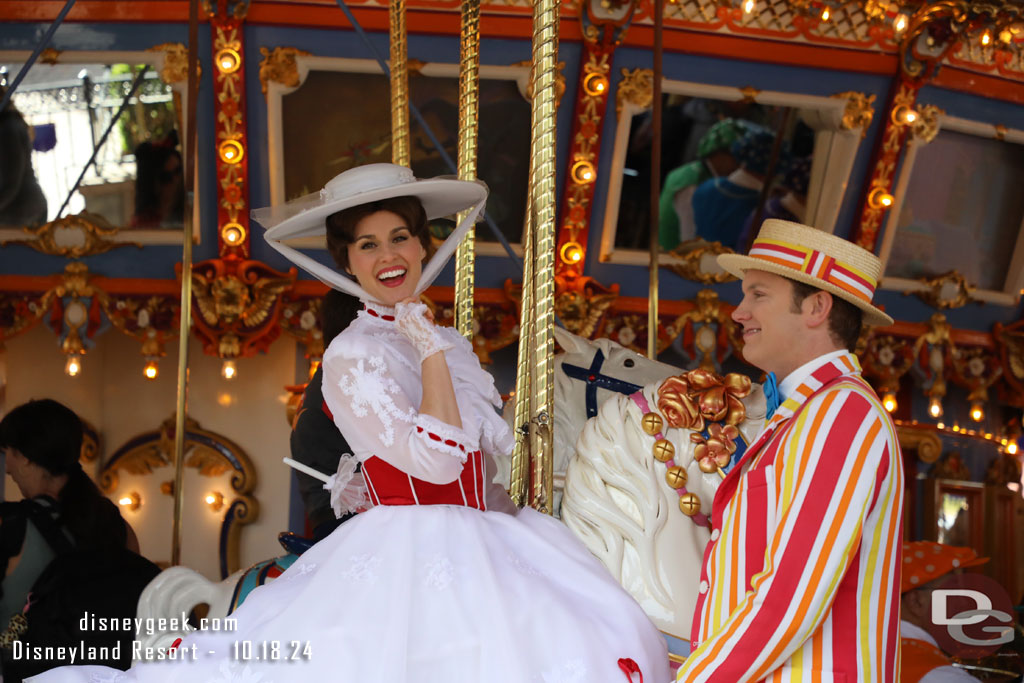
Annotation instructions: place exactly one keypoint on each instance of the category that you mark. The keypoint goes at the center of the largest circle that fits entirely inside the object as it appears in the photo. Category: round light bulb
(1012, 448)
(825, 14)
(986, 38)
(151, 370)
(977, 411)
(748, 6)
(935, 408)
(229, 370)
(73, 366)
(900, 24)
(889, 402)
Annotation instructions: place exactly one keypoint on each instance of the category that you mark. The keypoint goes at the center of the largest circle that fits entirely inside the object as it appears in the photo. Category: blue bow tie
(771, 394)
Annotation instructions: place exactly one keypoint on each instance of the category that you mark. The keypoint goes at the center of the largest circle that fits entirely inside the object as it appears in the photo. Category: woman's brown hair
(341, 226)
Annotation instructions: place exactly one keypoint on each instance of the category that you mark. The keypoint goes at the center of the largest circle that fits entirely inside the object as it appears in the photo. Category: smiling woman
(382, 244)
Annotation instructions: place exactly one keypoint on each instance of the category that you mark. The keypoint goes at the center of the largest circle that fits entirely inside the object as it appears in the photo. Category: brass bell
(707, 465)
(663, 450)
(676, 477)
(652, 423)
(689, 503)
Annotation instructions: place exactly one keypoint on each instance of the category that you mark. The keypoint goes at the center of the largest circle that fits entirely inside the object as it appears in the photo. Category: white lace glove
(347, 487)
(414, 323)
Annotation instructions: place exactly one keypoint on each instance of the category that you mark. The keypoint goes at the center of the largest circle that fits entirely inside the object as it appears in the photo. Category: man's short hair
(844, 320)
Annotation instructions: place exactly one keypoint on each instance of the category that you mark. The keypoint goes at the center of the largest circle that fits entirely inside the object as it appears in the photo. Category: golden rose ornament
(715, 451)
(690, 400)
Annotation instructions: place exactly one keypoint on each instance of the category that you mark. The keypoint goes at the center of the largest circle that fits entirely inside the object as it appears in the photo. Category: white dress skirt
(432, 584)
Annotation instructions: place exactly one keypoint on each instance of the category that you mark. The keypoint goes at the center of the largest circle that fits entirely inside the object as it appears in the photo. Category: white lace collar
(378, 311)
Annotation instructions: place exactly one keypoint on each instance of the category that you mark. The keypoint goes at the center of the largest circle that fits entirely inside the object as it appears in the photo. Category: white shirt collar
(797, 377)
(915, 632)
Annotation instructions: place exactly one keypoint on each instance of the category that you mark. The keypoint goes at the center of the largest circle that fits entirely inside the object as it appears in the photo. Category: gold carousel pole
(469, 105)
(519, 487)
(185, 314)
(542, 192)
(399, 85)
(652, 295)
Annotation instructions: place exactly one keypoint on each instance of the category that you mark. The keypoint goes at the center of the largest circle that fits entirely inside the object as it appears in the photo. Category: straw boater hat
(816, 258)
(307, 216)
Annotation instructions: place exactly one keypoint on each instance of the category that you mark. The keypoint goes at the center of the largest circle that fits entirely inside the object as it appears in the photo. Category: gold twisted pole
(542, 192)
(399, 84)
(519, 487)
(653, 246)
(469, 105)
(185, 310)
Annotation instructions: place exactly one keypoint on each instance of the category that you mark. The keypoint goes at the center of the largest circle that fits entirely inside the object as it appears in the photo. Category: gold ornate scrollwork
(926, 125)
(859, 111)
(175, 69)
(708, 310)
(925, 442)
(280, 66)
(73, 236)
(581, 302)
(225, 300)
(636, 88)
(694, 257)
(949, 290)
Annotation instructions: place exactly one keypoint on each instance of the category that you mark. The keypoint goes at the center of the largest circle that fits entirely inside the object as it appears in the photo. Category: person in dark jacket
(22, 202)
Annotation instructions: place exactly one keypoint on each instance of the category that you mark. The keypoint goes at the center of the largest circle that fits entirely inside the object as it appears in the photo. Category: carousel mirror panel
(345, 104)
(730, 159)
(99, 137)
(956, 228)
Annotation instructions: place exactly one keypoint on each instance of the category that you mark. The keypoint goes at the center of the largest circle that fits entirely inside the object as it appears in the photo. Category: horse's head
(623, 492)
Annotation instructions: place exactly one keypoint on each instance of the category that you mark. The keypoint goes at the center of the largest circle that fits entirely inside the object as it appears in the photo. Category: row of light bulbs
(977, 414)
(151, 370)
(133, 501)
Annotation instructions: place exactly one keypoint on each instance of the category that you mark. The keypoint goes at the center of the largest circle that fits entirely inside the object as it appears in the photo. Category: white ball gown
(432, 584)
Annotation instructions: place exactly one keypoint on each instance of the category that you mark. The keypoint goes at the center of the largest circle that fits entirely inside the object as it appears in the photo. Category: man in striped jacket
(801, 579)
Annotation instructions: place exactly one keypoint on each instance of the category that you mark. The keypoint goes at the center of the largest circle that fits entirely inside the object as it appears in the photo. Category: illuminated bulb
(748, 6)
(890, 402)
(977, 411)
(595, 84)
(229, 370)
(901, 23)
(583, 172)
(571, 253)
(233, 233)
(986, 38)
(910, 116)
(215, 500)
(879, 198)
(935, 407)
(130, 501)
(1006, 35)
(231, 151)
(1012, 448)
(151, 370)
(228, 60)
(941, 425)
(73, 366)
(825, 14)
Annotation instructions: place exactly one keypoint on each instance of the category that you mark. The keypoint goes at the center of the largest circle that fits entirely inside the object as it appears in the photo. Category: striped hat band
(816, 264)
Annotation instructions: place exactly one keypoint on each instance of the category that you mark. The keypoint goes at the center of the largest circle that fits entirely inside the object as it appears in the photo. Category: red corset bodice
(388, 485)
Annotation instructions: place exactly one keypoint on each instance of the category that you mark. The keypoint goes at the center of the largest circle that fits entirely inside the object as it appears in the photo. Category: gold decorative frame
(209, 453)
(691, 261)
(929, 122)
(169, 60)
(925, 442)
(96, 236)
(935, 294)
(838, 121)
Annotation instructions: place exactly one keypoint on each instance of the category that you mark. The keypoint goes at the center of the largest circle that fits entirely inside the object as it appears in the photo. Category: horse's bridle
(595, 380)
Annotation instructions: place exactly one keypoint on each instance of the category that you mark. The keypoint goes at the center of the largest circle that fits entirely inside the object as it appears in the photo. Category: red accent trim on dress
(630, 667)
(388, 485)
(375, 314)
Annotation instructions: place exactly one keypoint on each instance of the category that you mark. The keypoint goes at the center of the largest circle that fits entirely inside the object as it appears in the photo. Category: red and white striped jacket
(801, 581)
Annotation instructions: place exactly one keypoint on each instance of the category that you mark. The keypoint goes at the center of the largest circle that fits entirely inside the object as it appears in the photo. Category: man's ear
(816, 308)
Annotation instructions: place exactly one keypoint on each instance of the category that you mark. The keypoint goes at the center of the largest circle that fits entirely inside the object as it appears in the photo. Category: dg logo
(971, 616)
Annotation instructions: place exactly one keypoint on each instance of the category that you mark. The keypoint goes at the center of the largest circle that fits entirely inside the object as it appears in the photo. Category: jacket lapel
(845, 364)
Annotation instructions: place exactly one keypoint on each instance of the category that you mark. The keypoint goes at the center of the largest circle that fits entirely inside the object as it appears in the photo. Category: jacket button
(715, 533)
(703, 587)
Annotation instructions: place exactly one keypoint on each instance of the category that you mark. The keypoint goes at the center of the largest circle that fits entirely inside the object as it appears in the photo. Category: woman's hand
(416, 323)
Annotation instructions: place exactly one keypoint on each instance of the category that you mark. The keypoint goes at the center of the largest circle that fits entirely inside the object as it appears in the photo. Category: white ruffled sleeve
(377, 417)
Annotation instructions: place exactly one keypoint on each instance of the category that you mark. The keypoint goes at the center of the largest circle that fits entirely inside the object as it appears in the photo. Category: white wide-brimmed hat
(808, 255)
(307, 216)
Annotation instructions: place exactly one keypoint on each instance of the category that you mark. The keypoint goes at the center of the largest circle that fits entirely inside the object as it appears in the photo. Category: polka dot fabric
(925, 561)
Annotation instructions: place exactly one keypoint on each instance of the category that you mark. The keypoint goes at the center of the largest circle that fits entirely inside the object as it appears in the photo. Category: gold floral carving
(73, 237)
(926, 125)
(581, 302)
(749, 93)
(925, 442)
(225, 300)
(21, 312)
(714, 452)
(708, 310)
(691, 400)
(279, 66)
(949, 290)
(175, 69)
(50, 55)
(636, 88)
(692, 255)
(859, 111)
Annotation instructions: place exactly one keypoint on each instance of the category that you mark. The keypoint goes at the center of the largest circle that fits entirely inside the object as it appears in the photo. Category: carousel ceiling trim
(74, 237)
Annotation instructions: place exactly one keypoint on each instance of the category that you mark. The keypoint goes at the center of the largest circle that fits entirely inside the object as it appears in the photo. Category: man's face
(772, 332)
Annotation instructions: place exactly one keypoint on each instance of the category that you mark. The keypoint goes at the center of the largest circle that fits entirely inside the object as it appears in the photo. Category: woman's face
(386, 258)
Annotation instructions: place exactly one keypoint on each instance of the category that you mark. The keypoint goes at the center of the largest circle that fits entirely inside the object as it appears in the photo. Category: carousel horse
(638, 492)
(588, 373)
